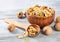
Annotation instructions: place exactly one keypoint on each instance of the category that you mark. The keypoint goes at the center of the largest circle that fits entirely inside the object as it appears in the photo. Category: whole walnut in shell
(58, 19)
(20, 14)
(47, 30)
(11, 27)
(57, 26)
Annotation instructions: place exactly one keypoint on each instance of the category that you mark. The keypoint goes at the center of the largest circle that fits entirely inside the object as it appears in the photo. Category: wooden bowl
(41, 21)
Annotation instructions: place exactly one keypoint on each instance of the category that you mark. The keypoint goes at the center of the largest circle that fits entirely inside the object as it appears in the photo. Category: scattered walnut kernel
(26, 40)
(57, 26)
(20, 36)
(11, 27)
(20, 14)
(25, 34)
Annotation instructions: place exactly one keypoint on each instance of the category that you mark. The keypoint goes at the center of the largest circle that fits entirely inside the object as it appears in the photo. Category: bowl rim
(39, 17)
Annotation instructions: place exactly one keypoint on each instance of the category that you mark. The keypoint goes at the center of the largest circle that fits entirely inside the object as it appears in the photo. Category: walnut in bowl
(40, 15)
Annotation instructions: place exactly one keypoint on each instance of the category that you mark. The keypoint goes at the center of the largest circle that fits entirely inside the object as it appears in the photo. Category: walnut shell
(36, 30)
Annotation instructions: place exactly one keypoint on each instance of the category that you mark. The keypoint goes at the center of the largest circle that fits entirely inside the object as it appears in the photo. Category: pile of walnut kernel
(40, 11)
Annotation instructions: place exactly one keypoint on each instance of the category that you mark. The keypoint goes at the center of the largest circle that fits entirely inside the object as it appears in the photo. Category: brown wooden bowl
(41, 21)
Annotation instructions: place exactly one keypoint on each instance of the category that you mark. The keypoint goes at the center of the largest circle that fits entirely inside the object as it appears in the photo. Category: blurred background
(23, 4)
